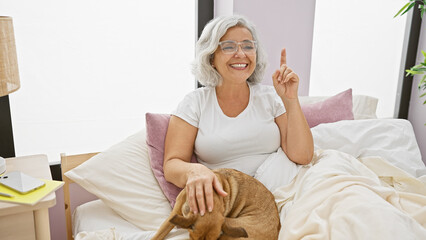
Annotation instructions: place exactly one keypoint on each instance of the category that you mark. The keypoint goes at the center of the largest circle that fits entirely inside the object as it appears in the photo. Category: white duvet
(367, 181)
(339, 197)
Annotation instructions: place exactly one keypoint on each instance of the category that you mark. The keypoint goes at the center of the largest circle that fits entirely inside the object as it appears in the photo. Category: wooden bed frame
(69, 162)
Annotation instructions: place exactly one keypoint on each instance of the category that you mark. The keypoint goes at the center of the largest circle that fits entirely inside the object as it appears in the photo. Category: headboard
(69, 162)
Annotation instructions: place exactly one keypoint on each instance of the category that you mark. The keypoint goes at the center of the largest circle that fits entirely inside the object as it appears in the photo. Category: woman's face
(239, 66)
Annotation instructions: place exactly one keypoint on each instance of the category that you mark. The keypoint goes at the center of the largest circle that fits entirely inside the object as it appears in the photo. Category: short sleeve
(189, 109)
(279, 108)
(277, 104)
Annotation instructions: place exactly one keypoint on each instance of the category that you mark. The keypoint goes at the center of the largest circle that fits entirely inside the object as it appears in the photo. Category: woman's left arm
(296, 136)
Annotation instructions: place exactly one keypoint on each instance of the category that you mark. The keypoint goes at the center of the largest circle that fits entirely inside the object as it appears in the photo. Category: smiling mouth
(239, 65)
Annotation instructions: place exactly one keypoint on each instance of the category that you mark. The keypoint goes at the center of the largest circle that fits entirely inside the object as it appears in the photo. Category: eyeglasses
(231, 47)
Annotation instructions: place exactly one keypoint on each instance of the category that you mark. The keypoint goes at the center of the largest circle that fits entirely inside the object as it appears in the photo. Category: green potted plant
(419, 69)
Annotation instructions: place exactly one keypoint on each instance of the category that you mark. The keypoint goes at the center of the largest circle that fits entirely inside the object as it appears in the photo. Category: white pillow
(364, 107)
(95, 215)
(122, 178)
(277, 170)
(391, 139)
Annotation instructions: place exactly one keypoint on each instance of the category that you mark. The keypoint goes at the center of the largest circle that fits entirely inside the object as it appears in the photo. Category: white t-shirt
(242, 142)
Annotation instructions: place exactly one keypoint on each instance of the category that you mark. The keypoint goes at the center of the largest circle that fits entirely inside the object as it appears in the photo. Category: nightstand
(19, 221)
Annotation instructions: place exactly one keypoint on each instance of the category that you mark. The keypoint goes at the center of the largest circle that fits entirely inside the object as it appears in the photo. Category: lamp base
(7, 148)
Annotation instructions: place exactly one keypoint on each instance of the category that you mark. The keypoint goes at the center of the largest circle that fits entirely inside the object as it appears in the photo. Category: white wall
(358, 45)
(90, 70)
(223, 7)
(283, 23)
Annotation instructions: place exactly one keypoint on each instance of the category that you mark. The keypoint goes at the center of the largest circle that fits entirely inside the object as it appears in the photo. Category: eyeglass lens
(230, 47)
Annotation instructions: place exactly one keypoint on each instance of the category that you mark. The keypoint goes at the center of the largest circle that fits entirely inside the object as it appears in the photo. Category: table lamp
(9, 82)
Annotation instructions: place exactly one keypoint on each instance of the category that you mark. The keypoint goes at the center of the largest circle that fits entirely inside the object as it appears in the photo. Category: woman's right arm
(198, 180)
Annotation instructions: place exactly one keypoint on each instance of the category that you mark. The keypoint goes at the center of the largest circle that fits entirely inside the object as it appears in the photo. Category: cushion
(156, 127)
(333, 109)
(122, 178)
(391, 139)
(364, 107)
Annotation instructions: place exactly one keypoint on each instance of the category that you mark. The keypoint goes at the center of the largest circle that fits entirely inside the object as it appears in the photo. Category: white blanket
(112, 234)
(339, 197)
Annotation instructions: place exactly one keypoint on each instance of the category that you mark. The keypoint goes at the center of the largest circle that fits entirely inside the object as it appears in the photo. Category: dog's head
(208, 227)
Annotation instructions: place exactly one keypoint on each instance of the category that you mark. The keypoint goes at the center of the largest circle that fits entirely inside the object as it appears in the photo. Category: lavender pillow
(156, 129)
(332, 109)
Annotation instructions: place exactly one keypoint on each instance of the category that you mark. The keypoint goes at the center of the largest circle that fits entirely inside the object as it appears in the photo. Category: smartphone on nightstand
(21, 182)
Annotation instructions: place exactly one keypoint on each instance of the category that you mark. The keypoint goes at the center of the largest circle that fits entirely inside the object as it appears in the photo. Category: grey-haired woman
(233, 122)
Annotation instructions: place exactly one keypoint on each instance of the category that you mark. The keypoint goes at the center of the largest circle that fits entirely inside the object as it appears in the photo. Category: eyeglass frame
(238, 46)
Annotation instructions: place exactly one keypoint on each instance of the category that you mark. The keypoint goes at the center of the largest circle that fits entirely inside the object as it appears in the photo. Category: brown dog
(248, 211)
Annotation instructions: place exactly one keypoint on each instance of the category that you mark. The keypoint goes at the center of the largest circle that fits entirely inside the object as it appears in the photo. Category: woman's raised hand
(286, 82)
(199, 188)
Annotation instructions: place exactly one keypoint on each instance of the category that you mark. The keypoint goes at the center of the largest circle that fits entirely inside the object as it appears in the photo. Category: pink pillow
(156, 129)
(332, 109)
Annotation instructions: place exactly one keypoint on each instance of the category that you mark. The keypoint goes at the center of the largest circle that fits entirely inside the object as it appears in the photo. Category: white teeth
(239, 65)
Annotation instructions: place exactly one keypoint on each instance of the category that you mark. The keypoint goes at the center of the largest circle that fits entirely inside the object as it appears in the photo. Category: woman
(233, 122)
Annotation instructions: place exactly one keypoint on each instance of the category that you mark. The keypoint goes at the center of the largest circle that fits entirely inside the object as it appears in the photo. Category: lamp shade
(9, 74)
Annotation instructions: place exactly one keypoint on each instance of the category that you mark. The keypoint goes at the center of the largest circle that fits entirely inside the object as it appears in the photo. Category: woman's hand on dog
(199, 188)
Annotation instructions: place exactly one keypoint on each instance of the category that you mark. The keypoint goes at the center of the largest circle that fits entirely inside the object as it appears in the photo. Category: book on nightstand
(30, 198)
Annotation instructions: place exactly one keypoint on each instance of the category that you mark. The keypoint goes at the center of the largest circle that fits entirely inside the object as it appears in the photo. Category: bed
(367, 181)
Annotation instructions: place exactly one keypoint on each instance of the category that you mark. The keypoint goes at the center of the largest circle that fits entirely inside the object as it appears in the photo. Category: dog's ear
(181, 221)
(235, 232)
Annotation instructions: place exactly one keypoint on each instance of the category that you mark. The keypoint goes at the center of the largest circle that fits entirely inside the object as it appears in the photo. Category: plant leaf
(418, 69)
(409, 7)
(402, 9)
(413, 72)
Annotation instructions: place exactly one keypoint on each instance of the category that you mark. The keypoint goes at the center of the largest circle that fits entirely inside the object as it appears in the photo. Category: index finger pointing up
(283, 57)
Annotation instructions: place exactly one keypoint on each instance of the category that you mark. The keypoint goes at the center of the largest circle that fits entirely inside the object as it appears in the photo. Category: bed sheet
(95, 220)
(384, 150)
(335, 197)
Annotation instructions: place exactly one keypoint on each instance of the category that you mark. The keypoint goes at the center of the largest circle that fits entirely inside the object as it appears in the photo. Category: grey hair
(208, 43)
